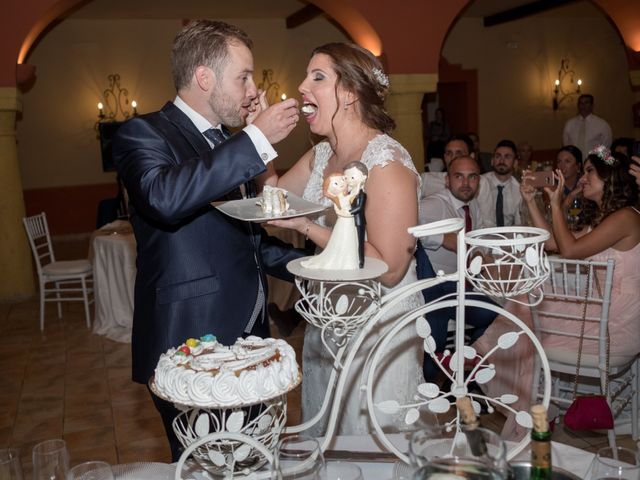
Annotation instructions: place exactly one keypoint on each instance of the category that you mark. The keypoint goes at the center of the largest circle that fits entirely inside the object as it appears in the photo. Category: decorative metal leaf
(523, 418)
(507, 340)
(508, 398)
(241, 453)
(439, 405)
(476, 406)
(217, 458)
(429, 390)
(264, 423)
(342, 304)
(484, 375)
(235, 422)
(422, 327)
(520, 246)
(202, 425)
(531, 256)
(412, 416)
(469, 352)
(389, 406)
(429, 345)
(475, 266)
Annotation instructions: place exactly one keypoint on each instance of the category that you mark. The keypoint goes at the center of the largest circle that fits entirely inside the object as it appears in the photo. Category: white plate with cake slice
(249, 210)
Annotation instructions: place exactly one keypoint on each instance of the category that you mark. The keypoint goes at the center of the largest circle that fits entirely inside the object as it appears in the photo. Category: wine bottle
(474, 437)
(541, 468)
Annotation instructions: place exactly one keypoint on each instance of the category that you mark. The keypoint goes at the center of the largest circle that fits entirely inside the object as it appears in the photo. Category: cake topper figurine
(357, 173)
(341, 253)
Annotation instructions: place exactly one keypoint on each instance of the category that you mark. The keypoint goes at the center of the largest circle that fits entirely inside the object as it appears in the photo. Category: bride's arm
(294, 179)
(391, 208)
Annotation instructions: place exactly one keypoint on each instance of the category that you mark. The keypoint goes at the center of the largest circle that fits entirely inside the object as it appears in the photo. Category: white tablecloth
(114, 273)
(114, 269)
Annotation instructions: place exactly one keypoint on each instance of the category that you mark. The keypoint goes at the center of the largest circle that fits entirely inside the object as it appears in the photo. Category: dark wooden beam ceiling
(523, 11)
(306, 13)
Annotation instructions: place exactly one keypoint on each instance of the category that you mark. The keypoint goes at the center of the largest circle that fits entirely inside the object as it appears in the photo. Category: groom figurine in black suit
(198, 270)
(357, 173)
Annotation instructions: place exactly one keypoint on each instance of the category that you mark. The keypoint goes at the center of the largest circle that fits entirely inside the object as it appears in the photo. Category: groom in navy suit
(198, 270)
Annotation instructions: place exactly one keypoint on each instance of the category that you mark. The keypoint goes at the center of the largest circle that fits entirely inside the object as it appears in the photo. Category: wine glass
(93, 470)
(620, 462)
(573, 214)
(10, 466)
(461, 451)
(298, 457)
(50, 460)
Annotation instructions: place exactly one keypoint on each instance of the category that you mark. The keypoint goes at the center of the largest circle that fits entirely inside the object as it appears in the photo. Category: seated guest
(457, 146)
(457, 200)
(569, 162)
(499, 195)
(525, 159)
(611, 231)
(622, 145)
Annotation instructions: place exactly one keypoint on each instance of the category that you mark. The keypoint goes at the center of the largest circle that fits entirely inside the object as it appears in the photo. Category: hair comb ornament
(381, 77)
(604, 154)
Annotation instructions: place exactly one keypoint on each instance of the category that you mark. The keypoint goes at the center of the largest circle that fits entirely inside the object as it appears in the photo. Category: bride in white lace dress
(343, 95)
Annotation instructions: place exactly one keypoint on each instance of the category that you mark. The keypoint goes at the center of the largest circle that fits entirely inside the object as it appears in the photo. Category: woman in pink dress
(611, 230)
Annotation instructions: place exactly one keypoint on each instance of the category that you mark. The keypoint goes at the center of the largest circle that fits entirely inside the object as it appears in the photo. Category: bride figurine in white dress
(341, 253)
(343, 97)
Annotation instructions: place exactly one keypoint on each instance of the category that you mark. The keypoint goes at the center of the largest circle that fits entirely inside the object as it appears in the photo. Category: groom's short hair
(359, 165)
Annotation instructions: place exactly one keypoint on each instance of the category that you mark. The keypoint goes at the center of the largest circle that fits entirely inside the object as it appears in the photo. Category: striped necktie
(215, 135)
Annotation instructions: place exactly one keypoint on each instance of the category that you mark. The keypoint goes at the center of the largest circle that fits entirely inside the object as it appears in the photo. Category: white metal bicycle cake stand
(504, 263)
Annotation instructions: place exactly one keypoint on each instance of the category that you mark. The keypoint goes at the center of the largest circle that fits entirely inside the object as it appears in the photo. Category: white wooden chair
(567, 284)
(59, 281)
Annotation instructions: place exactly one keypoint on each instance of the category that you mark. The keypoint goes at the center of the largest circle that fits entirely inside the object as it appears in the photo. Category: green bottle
(541, 468)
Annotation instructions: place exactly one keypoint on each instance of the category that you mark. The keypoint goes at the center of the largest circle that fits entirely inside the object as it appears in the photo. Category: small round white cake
(205, 373)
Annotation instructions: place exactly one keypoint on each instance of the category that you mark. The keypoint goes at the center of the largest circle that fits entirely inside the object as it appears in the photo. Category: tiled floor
(67, 383)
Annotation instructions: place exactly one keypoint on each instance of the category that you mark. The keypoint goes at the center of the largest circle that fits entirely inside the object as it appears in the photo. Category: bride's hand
(300, 224)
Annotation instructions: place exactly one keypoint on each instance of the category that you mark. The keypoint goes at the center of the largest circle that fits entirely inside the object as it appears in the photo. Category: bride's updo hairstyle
(619, 189)
(360, 72)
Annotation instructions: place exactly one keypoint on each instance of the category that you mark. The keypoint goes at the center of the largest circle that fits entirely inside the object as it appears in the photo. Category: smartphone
(541, 179)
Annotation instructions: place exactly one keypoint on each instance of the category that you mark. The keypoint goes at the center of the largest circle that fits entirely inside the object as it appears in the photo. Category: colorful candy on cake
(205, 373)
(273, 201)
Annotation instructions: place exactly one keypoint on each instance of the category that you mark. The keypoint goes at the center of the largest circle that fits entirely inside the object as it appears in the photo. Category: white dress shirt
(432, 182)
(597, 132)
(440, 206)
(511, 200)
(260, 142)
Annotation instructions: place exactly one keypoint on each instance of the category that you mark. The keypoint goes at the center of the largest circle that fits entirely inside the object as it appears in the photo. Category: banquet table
(113, 252)
(377, 466)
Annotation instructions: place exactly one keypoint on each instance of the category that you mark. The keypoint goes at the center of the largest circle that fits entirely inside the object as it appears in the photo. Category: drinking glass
(619, 462)
(298, 457)
(435, 450)
(10, 467)
(93, 470)
(50, 460)
(342, 471)
(573, 214)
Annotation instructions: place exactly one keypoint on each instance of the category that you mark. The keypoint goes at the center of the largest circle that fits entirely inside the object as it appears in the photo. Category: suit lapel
(186, 127)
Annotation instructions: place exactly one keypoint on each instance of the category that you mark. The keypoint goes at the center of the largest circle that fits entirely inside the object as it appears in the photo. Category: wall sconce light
(115, 104)
(564, 84)
(271, 87)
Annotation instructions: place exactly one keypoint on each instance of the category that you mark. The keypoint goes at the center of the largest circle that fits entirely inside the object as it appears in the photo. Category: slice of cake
(204, 373)
(273, 200)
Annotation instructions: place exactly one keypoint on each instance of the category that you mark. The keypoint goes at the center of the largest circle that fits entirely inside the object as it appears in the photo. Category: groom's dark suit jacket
(198, 269)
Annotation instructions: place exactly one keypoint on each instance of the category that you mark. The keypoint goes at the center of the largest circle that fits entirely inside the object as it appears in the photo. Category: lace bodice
(380, 151)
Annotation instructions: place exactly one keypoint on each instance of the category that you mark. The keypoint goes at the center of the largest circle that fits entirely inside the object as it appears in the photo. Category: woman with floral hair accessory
(611, 230)
(343, 97)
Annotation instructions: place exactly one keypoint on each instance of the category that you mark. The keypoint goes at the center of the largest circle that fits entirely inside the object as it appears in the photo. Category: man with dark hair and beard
(499, 194)
(199, 271)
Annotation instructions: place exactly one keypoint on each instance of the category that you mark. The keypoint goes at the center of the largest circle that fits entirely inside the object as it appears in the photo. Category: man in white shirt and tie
(440, 251)
(586, 130)
(457, 146)
(499, 193)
